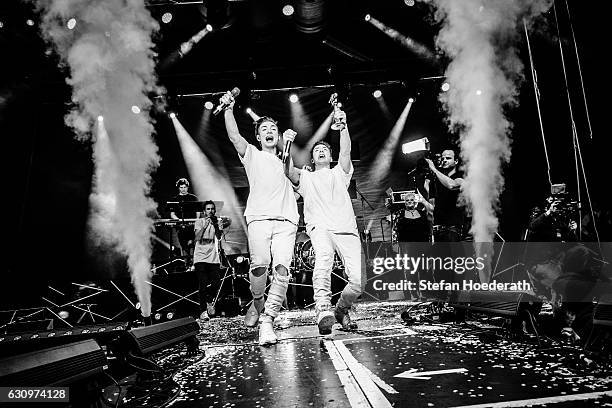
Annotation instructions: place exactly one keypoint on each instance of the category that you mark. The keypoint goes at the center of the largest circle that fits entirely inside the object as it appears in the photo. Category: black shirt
(185, 198)
(413, 229)
(447, 211)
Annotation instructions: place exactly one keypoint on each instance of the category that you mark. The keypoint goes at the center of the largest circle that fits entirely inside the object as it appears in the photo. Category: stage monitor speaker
(55, 366)
(602, 315)
(507, 304)
(148, 339)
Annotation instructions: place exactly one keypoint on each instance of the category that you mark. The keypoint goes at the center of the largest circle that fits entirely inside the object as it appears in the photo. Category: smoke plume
(484, 72)
(110, 57)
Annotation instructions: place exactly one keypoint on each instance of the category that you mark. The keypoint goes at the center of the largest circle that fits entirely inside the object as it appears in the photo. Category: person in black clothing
(185, 232)
(449, 217)
(412, 223)
(567, 272)
(413, 231)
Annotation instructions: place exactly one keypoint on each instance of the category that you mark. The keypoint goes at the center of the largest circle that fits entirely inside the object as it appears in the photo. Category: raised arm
(291, 172)
(200, 226)
(344, 159)
(451, 184)
(239, 142)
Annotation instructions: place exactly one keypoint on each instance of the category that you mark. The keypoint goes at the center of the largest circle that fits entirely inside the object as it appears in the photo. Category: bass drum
(305, 255)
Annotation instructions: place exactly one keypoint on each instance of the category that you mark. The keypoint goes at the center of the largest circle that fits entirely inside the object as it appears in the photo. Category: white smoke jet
(111, 61)
(484, 72)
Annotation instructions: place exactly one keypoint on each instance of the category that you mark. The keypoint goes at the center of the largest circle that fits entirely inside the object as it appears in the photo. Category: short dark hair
(207, 202)
(182, 182)
(452, 149)
(320, 142)
(261, 121)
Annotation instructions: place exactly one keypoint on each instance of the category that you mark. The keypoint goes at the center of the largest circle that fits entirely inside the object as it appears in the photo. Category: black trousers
(208, 281)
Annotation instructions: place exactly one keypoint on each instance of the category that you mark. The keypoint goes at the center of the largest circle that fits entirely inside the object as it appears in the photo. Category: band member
(207, 257)
(184, 232)
(330, 222)
(449, 217)
(272, 218)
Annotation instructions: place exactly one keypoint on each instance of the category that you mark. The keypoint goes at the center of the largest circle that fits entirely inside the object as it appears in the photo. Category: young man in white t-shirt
(330, 223)
(272, 217)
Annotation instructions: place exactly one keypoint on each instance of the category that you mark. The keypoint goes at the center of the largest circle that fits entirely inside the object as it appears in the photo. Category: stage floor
(385, 363)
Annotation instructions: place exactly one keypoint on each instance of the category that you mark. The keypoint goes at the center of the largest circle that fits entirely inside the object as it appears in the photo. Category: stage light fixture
(445, 87)
(135, 109)
(478, 92)
(166, 18)
(1, 24)
(288, 10)
(239, 259)
(293, 98)
(209, 105)
(249, 110)
(71, 23)
(64, 314)
(169, 315)
(172, 115)
(30, 22)
(100, 118)
(377, 93)
(209, 27)
(411, 100)
(367, 17)
(409, 3)
(416, 146)
(157, 316)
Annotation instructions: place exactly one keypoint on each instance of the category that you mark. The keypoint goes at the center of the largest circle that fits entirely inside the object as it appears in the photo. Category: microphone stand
(365, 235)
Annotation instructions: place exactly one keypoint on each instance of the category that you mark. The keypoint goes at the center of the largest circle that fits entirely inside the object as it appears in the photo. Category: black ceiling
(253, 44)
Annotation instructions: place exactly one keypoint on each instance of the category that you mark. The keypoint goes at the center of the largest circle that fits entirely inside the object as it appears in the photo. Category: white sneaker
(266, 331)
(325, 321)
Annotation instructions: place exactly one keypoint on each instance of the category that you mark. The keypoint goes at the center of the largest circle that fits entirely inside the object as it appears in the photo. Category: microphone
(287, 146)
(286, 150)
(221, 106)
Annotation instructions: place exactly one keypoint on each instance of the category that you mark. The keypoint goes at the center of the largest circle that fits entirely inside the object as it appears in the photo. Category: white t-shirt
(206, 250)
(271, 193)
(326, 199)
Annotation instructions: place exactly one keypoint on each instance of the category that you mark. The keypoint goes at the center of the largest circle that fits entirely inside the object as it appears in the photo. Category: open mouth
(321, 156)
(269, 138)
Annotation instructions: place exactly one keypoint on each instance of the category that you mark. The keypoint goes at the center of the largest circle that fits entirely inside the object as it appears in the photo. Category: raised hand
(289, 135)
(228, 100)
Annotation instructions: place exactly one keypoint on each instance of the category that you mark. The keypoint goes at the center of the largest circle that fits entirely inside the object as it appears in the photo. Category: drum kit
(304, 255)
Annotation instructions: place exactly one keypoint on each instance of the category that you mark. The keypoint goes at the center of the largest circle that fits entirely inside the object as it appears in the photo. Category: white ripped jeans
(325, 243)
(271, 242)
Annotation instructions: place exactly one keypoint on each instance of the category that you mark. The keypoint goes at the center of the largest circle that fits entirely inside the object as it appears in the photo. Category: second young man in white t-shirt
(330, 223)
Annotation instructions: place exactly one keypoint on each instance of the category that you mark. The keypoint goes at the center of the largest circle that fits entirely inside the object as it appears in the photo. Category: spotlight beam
(345, 49)
(301, 156)
(185, 48)
(253, 115)
(404, 40)
(382, 164)
(207, 181)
